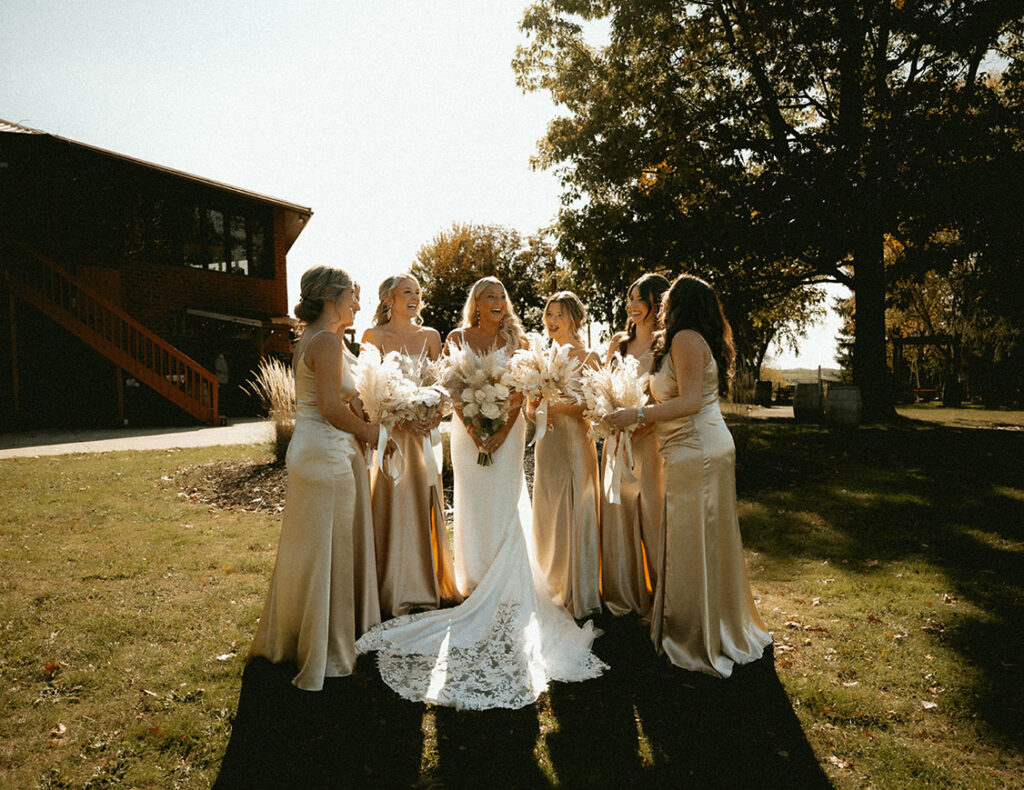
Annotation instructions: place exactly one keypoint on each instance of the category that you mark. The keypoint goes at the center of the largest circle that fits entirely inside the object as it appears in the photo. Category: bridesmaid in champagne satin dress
(414, 558)
(631, 529)
(323, 593)
(566, 481)
(703, 616)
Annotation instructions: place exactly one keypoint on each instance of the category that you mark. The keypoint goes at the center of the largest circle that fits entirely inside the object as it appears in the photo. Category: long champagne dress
(566, 527)
(507, 640)
(414, 560)
(631, 530)
(703, 616)
(323, 592)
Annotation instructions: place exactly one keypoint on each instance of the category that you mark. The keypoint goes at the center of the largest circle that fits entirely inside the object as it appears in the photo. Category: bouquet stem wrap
(432, 453)
(394, 465)
(619, 452)
(541, 420)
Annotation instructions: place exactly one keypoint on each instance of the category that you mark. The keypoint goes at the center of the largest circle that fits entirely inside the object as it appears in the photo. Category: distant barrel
(843, 405)
(807, 402)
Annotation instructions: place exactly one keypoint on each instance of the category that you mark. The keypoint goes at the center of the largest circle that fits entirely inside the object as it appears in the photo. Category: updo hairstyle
(319, 285)
(573, 308)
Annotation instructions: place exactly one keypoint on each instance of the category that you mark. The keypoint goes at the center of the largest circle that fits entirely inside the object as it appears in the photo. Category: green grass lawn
(888, 562)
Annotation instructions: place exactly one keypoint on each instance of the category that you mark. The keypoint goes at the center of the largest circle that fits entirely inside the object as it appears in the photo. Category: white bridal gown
(501, 646)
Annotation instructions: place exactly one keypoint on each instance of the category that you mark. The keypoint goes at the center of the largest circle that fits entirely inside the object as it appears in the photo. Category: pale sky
(390, 119)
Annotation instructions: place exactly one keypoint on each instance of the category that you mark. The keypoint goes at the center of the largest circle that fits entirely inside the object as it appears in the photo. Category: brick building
(123, 280)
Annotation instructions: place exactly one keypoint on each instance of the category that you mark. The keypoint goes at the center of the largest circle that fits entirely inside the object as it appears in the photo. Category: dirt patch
(247, 486)
(251, 486)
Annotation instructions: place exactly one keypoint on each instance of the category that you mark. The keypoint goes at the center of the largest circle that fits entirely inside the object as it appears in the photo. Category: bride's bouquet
(619, 385)
(546, 372)
(480, 386)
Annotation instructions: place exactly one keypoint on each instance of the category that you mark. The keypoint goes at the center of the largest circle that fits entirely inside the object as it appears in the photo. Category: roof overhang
(295, 216)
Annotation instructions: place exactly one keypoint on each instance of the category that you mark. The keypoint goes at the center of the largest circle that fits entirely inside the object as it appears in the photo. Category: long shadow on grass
(643, 724)
(950, 497)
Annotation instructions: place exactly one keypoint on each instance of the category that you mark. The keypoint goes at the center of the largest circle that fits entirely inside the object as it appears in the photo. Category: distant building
(123, 280)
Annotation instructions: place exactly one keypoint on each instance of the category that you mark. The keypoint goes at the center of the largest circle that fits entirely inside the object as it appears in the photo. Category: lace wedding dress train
(507, 640)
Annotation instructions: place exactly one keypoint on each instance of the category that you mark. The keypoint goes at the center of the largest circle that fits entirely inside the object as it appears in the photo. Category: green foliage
(456, 258)
(770, 146)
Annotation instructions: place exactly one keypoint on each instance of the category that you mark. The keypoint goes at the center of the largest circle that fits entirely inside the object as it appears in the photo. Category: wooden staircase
(113, 333)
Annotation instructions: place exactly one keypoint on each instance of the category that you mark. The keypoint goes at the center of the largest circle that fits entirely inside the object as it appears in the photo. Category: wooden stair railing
(115, 334)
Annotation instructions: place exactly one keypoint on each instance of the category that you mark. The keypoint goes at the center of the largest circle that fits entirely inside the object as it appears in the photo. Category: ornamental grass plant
(274, 385)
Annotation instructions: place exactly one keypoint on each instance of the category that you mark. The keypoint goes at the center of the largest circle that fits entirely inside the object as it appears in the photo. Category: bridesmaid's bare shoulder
(615, 345)
(688, 343)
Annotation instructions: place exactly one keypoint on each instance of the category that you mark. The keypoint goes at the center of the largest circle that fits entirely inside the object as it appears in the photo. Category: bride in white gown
(507, 640)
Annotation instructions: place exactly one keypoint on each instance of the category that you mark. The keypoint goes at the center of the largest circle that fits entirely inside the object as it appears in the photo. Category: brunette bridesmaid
(323, 593)
(566, 480)
(631, 530)
(414, 559)
(703, 616)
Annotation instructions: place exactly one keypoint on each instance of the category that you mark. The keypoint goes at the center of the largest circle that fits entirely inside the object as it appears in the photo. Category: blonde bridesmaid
(414, 559)
(631, 530)
(703, 616)
(323, 593)
(566, 480)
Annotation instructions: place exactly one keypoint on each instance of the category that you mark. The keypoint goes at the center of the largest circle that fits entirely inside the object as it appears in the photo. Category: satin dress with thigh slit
(631, 528)
(414, 557)
(566, 530)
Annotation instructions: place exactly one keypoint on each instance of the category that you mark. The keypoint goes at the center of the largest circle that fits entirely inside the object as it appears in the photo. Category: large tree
(461, 255)
(767, 145)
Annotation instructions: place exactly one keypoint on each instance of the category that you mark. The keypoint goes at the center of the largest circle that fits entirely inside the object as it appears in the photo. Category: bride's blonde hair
(510, 328)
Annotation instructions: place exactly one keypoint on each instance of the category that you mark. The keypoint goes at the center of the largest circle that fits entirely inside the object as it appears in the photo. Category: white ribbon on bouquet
(619, 452)
(394, 465)
(540, 419)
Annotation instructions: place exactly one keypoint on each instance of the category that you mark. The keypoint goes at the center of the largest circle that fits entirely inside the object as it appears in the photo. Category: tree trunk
(870, 366)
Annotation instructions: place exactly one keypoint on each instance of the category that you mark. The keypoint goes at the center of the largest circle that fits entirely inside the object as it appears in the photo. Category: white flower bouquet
(618, 385)
(546, 372)
(480, 386)
(427, 401)
(385, 392)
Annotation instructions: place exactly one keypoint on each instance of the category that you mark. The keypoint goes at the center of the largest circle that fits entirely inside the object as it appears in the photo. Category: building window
(227, 241)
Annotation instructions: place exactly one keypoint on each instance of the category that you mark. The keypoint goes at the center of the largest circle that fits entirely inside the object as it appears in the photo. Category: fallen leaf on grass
(873, 619)
(50, 669)
(837, 762)
(59, 731)
(929, 705)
